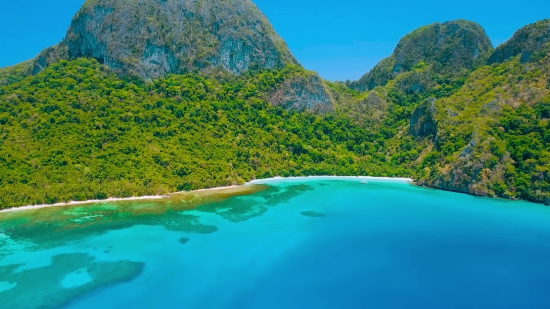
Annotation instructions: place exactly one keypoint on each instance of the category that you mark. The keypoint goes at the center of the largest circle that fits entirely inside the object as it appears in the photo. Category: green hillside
(494, 133)
(76, 131)
(486, 133)
(119, 112)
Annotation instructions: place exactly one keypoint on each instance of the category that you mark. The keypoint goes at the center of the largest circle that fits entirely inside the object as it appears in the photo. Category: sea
(318, 242)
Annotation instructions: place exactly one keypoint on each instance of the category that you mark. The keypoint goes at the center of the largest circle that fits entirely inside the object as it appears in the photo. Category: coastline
(302, 178)
(166, 196)
(73, 203)
(111, 199)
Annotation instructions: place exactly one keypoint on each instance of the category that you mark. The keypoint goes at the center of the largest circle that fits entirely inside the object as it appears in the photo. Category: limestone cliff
(303, 93)
(150, 38)
(492, 133)
(423, 122)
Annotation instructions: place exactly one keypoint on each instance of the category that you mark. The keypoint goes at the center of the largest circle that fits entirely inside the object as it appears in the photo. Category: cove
(285, 243)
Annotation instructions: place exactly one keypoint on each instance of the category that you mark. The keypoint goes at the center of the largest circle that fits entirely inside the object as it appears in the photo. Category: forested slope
(485, 133)
(80, 122)
(76, 131)
(494, 134)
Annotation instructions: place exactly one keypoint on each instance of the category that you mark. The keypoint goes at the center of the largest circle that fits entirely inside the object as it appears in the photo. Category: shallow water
(301, 243)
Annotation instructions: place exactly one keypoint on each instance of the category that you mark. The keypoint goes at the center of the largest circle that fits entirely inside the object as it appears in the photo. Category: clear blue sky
(339, 39)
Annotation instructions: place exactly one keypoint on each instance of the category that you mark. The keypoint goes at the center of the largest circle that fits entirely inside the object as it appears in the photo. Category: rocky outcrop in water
(313, 214)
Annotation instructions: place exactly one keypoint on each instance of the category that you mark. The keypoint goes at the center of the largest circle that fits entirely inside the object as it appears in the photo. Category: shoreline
(299, 178)
(111, 199)
(73, 203)
(166, 196)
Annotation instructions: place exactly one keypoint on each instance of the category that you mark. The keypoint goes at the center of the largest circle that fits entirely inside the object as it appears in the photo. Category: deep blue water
(334, 244)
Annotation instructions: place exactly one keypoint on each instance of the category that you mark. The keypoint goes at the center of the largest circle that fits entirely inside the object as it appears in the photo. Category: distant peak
(527, 41)
(453, 45)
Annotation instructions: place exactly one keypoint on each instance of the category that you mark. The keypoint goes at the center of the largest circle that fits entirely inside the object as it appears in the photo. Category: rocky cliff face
(303, 93)
(149, 39)
(528, 42)
(472, 170)
(152, 38)
(48, 57)
(423, 121)
(375, 106)
(449, 47)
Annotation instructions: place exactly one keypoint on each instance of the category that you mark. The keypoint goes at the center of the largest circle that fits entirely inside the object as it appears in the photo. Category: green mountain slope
(435, 110)
(76, 131)
(14, 73)
(481, 131)
(493, 133)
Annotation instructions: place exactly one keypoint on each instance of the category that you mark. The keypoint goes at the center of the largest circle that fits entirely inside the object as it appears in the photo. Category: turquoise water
(302, 243)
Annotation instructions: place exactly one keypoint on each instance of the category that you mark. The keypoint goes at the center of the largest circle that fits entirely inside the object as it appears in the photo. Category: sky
(340, 40)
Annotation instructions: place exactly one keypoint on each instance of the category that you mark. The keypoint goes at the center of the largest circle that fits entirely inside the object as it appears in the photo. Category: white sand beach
(256, 181)
(306, 178)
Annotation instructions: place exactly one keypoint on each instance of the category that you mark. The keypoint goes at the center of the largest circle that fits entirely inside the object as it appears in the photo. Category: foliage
(14, 73)
(493, 134)
(477, 148)
(76, 131)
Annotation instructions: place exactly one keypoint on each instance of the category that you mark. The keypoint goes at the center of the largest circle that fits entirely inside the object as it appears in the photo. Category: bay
(292, 243)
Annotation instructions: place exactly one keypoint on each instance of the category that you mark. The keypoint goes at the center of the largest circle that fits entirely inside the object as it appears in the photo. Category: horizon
(338, 51)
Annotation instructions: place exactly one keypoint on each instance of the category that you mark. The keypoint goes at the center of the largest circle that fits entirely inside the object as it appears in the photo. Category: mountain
(433, 60)
(493, 133)
(150, 39)
(531, 42)
(77, 131)
(481, 128)
(444, 108)
(452, 47)
(489, 134)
